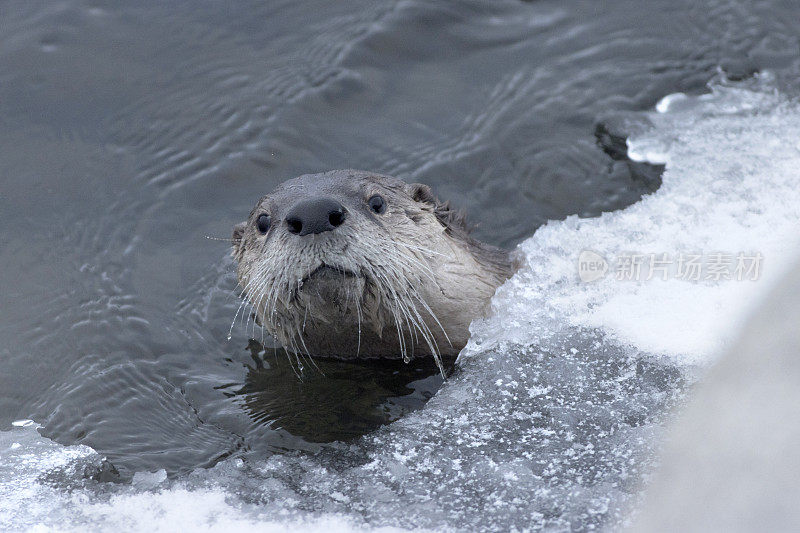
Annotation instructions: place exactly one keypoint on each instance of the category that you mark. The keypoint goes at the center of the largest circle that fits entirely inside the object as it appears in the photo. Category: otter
(354, 264)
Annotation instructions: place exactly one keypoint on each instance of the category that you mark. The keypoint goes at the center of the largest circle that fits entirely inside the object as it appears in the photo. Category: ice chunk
(665, 103)
(149, 480)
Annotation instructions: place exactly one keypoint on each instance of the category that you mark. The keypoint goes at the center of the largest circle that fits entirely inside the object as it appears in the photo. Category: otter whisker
(395, 316)
(299, 331)
(245, 301)
(226, 239)
(418, 322)
(357, 304)
(420, 248)
(357, 301)
(306, 351)
(298, 370)
(400, 305)
(298, 354)
(257, 306)
(425, 268)
(422, 300)
(255, 288)
(435, 318)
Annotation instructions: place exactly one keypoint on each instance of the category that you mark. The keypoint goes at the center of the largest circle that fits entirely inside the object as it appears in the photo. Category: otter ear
(420, 192)
(238, 234)
(451, 219)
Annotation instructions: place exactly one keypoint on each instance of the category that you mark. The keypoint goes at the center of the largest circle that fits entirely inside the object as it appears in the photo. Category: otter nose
(315, 216)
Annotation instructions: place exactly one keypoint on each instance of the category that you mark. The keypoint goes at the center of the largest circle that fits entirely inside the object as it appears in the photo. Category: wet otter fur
(354, 264)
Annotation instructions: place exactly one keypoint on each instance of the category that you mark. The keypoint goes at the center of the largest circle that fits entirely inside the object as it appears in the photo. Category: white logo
(591, 266)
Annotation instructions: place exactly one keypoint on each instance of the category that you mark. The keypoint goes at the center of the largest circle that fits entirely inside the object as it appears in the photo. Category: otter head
(354, 264)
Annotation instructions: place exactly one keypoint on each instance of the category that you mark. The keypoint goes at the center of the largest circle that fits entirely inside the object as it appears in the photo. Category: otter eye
(262, 223)
(377, 204)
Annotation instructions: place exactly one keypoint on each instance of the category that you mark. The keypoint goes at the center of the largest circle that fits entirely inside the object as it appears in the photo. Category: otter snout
(315, 215)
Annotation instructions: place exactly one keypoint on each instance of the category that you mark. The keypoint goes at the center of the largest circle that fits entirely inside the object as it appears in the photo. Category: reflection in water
(334, 400)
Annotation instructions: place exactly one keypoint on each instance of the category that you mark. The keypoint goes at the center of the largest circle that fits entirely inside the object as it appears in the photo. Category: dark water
(129, 133)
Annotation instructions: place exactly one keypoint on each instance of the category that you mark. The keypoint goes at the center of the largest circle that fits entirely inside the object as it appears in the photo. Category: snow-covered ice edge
(731, 187)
